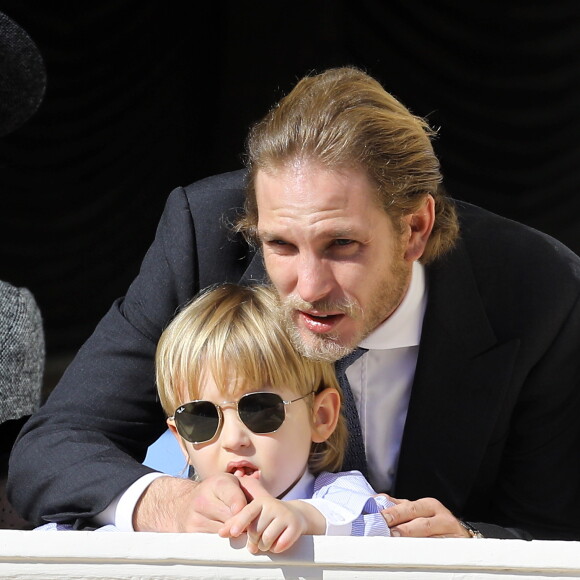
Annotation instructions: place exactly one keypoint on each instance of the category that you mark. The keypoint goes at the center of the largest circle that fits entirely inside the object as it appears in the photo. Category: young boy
(241, 400)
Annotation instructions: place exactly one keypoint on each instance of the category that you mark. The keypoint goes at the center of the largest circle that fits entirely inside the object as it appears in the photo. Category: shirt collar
(303, 488)
(403, 327)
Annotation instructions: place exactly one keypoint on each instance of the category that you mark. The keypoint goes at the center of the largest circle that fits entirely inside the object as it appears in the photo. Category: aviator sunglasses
(201, 421)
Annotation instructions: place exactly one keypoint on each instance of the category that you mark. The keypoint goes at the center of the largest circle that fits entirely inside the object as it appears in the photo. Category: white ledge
(117, 555)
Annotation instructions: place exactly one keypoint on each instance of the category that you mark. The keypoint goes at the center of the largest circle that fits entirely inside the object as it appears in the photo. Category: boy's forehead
(225, 382)
(233, 389)
(225, 387)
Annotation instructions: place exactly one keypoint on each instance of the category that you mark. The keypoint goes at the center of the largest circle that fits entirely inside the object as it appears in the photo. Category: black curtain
(143, 96)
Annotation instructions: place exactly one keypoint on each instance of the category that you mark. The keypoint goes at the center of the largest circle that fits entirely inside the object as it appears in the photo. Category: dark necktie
(355, 456)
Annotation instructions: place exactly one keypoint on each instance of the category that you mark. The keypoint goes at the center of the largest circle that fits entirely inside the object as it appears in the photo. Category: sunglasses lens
(262, 412)
(197, 421)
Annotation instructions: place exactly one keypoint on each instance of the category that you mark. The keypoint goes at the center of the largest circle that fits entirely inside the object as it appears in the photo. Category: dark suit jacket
(493, 428)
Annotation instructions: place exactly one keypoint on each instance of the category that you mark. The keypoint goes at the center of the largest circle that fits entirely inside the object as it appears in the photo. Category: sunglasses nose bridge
(224, 406)
(233, 432)
(227, 405)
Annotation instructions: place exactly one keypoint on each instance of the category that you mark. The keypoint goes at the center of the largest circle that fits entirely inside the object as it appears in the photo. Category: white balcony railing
(116, 555)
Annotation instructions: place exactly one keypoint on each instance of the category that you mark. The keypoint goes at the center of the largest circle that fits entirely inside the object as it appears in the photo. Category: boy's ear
(173, 429)
(325, 414)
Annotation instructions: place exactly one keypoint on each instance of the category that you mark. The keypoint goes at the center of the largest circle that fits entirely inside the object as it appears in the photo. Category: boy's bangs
(235, 335)
(251, 359)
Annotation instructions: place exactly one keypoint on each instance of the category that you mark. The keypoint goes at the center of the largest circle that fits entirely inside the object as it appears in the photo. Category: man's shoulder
(213, 199)
(489, 236)
(507, 259)
(230, 182)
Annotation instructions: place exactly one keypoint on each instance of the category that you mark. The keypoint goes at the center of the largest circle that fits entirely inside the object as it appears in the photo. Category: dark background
(143, 96)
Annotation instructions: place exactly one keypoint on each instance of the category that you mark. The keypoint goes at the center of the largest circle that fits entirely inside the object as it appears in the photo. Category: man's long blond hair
(343, 118)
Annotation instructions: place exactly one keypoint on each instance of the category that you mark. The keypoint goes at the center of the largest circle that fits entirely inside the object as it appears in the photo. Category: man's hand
(171, 504)
(272, 524)
(424, 518)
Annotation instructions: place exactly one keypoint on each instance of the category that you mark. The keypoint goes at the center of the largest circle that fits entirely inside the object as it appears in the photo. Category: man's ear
(418, 227)
(325, 414)
(173, 429)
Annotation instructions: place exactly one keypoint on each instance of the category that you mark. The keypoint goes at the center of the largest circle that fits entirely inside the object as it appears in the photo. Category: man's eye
(343, 242)
(279, 246)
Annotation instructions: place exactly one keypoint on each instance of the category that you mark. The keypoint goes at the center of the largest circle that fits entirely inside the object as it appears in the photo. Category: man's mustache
(345, 306)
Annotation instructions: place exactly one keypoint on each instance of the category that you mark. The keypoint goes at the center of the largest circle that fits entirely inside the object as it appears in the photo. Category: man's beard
(327, 347)
(322, 347)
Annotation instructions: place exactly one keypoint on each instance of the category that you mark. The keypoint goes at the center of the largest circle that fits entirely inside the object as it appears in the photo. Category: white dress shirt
(382, 378)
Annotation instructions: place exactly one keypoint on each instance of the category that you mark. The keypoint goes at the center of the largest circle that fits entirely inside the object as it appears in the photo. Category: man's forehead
(336, 200)
(303, 168)
(310, 181)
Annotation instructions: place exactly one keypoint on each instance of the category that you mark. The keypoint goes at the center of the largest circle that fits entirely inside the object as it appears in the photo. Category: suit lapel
(461, 376)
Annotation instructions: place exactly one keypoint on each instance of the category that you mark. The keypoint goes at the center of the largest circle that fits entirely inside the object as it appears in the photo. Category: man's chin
(320, 347)
(316, 346)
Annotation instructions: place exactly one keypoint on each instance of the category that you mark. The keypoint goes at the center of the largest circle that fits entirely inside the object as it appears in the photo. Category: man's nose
(315, 279)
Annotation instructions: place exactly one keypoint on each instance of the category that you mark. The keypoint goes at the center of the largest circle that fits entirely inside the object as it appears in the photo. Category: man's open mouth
(325, 317)
(320, 322)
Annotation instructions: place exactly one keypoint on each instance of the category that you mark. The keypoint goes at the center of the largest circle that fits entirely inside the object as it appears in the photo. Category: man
(468, 389)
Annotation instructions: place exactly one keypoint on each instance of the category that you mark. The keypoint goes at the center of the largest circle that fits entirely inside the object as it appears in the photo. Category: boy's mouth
(243, 469)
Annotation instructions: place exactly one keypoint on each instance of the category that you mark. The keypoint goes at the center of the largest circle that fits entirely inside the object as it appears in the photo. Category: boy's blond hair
(235, 333)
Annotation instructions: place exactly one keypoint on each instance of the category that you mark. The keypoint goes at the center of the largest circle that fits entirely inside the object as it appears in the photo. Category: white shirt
(380, 381)
(347, 502)
(382, 378)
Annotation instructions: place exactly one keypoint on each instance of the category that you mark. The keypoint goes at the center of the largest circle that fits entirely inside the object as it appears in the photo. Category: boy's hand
(252, 487)
(272, 524)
